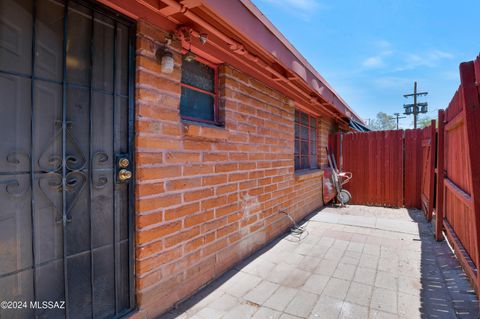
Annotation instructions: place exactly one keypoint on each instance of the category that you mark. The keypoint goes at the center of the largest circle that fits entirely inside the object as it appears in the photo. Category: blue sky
(371, 51)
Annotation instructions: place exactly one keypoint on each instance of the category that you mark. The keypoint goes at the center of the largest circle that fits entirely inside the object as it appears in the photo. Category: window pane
(313, 122)
(304, 148)
(304, 132)
(305, 162)
(297, 162)
(297, 146)
(198, 75)
(297, 131)
(313, 134)
(313, 161)
(297, 116)
(313, 147)
(196, 104)
(304, 119)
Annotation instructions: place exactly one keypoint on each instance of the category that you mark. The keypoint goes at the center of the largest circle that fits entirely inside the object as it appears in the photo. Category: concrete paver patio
(355, 262)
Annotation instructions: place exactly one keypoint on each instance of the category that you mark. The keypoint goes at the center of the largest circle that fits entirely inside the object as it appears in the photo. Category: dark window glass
(305, 141)
(197, 101)
(196, 105)
(198, 75)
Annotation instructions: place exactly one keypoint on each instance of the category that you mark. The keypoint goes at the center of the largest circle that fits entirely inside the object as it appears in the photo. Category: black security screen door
(65, 160)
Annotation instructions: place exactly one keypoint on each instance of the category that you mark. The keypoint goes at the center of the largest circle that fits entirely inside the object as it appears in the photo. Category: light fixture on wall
(166, 57)
(203, 37)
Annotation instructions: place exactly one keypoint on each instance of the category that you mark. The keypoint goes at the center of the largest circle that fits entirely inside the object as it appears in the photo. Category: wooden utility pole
(398, 117)
(416, 107)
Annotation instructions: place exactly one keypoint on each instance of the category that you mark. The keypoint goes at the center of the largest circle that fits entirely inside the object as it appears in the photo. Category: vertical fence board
(472, 119)
(413, 168)
(440, 176)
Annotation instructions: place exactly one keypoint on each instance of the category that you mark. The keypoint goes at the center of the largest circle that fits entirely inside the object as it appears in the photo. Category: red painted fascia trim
(253, 25)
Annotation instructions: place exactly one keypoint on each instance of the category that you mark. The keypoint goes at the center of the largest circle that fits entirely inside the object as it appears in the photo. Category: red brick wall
(208, 197)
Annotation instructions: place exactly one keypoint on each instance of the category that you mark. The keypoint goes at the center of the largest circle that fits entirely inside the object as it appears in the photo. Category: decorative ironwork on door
(66, 70)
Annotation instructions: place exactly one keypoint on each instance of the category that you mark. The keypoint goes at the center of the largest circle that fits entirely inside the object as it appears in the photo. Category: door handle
(123, 168)
(124, 175)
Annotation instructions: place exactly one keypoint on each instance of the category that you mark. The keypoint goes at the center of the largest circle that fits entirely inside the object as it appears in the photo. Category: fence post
(440, 176)
(433, 150)
(472, 120)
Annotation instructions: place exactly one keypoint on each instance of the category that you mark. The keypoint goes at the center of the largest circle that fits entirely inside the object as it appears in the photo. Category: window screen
(198, 97)
(305, 141)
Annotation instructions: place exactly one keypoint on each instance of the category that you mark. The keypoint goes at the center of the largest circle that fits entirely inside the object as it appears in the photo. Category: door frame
(132, 28)
(117, 16)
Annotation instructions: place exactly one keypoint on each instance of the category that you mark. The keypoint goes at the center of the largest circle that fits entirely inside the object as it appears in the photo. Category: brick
(210, 237)
(215, 157)
(205, 132)
(194, 244)
(149, 219)
(235, 177)
(181, 237)
(199, 194)
(171, 130)
(149, 126)
(247, 185)
(141, 252)
(195, 145)
(232, 198)
(224, 231)
(144, 159)
(214, 202)
(147, 79)
(226, 189)
(157, 112)
(149, 204)
(158, 143)
(150, 173)
(197, 170)
(182, 211)
(214, 180)
(247, 166)
(215, 246)
(198, 219)
(182, 158)
(150, 189)
(182, 184)
(235, 217)
(157, 261)
(144, 236)
(224, 168)
(214, 224)
(219, 212)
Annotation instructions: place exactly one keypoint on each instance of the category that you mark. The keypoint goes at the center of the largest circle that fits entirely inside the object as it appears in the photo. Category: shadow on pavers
(210, 287)
(445, 290)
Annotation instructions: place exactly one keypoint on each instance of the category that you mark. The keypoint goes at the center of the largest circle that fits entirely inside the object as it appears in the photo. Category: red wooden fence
(396, 168)
(429, 149)
(376, 162)
(458, 189)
